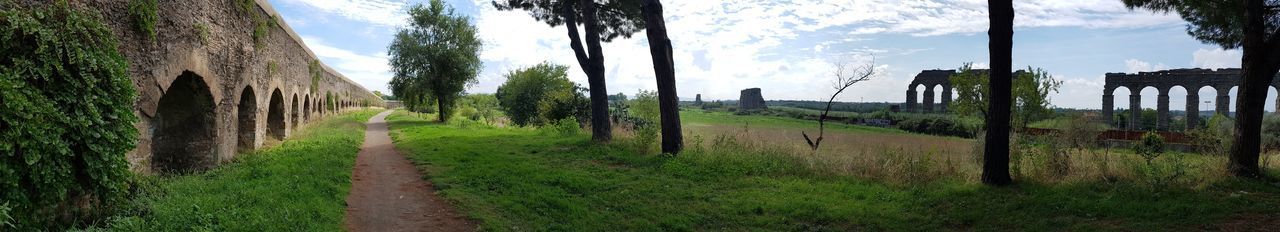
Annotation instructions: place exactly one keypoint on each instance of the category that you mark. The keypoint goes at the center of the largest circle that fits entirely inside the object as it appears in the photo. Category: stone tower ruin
(751, 100)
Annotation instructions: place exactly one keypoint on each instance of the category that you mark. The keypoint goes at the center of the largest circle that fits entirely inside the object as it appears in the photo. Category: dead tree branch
(846, 75)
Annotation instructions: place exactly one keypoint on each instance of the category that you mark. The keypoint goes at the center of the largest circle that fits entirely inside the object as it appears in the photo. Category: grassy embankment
(300, 184)
(526, 179)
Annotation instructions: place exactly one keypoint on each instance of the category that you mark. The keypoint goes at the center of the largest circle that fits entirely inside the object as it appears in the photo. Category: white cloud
(370, 71)
(378, 12)
(1216, 58)
(1135, 66)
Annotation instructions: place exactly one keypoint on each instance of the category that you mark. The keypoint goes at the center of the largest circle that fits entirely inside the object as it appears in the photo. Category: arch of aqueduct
(205, 91)
(1191, 80)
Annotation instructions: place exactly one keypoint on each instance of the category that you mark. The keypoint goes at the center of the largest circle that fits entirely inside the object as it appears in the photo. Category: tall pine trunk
(592, 61)
(1256, 78)
(995, 166)
(665, 72)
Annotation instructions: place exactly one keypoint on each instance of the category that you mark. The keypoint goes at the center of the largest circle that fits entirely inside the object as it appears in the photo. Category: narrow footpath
(388, 193)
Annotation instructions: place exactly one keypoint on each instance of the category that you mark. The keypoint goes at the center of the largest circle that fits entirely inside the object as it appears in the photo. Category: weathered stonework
(751, 99)
(1192, 80)
(202, 77)
(930, 79)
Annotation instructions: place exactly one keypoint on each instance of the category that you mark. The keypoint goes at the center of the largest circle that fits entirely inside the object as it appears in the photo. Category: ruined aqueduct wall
(206, 91)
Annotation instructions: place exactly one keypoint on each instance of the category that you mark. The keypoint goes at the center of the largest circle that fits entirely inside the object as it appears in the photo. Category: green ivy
(203, 32)
(144, 15)
(272, 68)
(66, 120)
(316, 72)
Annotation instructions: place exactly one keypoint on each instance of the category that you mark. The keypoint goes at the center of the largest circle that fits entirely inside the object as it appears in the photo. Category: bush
(1271, 133)
(480, 107)
(565, 127)
(563, 104)
(67, 118)
(1216, 137)
(1150, 147)
(936, 125)
(521, 96)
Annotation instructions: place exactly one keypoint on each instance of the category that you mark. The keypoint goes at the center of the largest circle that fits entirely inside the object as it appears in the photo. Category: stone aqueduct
(1192, 80)
(206, 92)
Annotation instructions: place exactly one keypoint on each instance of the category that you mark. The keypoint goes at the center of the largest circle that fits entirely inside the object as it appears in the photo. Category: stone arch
(247, 121)
(1177, 97)
(306, 107)
(293, 112)
(1138, 106)
(184, 127)
(1117, 108)
(275, 115)
(1208, 100)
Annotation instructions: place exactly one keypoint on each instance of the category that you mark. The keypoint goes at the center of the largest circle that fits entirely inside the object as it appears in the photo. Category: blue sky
(788, 48)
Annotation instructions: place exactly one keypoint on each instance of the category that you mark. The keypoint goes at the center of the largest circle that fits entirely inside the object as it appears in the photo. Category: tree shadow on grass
(1096, 206)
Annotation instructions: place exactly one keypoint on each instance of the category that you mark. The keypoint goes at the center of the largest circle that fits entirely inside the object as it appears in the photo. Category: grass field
(517, 179)
(298, 185)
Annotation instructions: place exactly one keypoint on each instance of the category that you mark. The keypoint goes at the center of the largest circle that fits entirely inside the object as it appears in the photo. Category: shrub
(522, 95)
(1150, 147)
(1270, 133)
(562, 104)
(67, 117)
(144, 14)
(936, 125)
(565, 127)
(481, 107)
(1216, 137)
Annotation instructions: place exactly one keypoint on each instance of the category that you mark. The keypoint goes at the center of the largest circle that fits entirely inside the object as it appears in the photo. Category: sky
(789, 48)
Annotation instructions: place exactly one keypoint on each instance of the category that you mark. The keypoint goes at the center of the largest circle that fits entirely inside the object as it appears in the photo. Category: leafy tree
(1030, 91)
(603, 20)
(525, 88)
(1253, 26)
(435, 58)
(995, 166)
(665, 72)
(620, 97)
(569, 103)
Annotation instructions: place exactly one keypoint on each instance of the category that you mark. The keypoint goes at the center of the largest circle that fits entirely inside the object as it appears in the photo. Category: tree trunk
(1257, 72)
(664, 70)
(593, 66)
(440, 114)
(995, 166)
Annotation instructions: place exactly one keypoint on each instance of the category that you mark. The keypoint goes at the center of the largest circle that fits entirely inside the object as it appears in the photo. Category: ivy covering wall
(66, 120)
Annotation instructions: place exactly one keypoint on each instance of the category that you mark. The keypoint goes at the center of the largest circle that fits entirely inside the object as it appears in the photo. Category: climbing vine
(66, 120)
(144, 15)
(316, 72)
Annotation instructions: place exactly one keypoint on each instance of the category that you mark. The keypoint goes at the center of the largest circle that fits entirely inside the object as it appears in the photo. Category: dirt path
(388, 193)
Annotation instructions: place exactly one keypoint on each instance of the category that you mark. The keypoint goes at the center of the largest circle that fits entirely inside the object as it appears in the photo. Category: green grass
(531, 180)
(299, 185)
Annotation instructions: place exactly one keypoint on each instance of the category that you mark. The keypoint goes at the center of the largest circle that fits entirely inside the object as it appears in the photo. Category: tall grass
(904, 159)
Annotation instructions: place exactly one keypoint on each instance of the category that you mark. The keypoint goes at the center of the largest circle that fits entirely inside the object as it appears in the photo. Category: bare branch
(845, 77)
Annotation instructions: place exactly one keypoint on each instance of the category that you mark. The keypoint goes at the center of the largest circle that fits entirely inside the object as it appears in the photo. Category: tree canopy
(617, 18)
(1217, 22)
(434, 58)
(1031, 88)
(526, 93)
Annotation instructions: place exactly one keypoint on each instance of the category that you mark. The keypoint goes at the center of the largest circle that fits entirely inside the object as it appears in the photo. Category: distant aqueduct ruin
(207, 89)
(1191, 80)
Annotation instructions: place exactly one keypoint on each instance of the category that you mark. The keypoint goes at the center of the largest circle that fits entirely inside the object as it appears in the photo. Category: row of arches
(1197, 103)
(185, 126)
